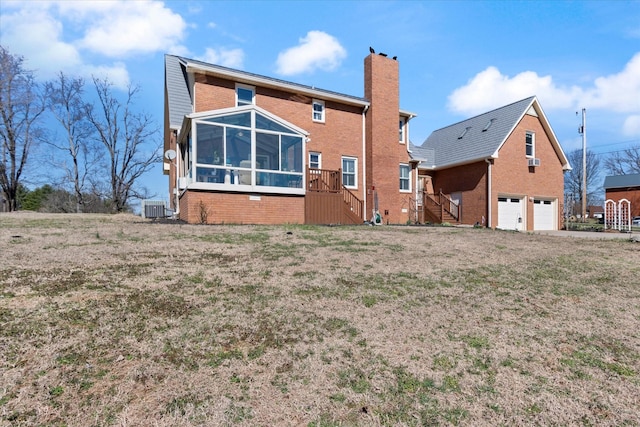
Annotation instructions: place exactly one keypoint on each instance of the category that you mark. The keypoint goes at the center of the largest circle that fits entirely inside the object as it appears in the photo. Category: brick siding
(471, 181)
(239, 208)
(340, 134)
(384, 152)
(512, 176)
(631, 194)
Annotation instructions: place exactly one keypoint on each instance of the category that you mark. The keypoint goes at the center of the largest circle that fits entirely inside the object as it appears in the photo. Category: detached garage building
(501, 169)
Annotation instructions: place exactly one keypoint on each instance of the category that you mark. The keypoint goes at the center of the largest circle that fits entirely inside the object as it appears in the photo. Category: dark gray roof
(481, 137)
(622, 181)
(274, 81)
(178, 100)
(425, 156)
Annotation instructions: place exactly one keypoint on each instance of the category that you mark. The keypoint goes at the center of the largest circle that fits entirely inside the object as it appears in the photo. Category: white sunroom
(241, 149)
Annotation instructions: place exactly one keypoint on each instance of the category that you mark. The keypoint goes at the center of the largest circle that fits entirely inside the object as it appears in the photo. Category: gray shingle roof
(622, 181)
(177, 91)
(179, 98)
(481, 137)
(274, 81)
(426, 156)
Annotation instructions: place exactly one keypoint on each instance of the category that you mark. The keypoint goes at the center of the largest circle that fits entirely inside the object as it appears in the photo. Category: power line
(610, 152)
(630, 141)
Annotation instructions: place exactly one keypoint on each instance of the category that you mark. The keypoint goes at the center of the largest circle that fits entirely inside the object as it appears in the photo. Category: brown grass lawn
(119, 321)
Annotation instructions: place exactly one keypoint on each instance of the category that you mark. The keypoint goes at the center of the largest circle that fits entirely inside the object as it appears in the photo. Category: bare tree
(64, 99)
(624, 162)
(20, 108)
(131, 140)
(573, 179)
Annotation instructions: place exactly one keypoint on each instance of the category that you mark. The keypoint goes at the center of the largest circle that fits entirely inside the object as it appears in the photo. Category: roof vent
(464, 132)
(488, 125)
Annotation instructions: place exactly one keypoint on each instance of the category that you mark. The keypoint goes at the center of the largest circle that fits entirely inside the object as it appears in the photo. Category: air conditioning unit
(534, 162)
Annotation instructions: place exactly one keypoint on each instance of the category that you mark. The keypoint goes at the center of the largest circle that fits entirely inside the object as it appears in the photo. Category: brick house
(501, 169)
(618, 187)
(245, 148)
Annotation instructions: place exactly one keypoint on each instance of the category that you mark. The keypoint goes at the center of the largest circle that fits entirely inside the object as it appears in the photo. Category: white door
(510, 213)
(543, 217)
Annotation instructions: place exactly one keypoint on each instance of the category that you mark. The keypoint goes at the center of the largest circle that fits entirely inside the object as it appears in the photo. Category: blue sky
(457, 58)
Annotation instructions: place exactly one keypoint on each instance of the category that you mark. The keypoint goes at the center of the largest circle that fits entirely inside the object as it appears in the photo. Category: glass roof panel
(242, 119)
(265, 123)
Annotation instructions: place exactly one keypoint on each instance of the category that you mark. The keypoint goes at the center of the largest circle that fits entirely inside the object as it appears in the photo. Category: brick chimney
(384, 153)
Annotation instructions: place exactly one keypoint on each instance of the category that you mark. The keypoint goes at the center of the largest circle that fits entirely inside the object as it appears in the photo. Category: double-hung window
(401, 131)
(350, 172)
(405, 177)
(318, 111)
(315, 160)
(530, 144)
(245, 95)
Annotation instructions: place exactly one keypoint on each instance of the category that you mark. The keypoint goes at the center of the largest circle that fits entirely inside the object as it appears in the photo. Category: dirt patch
(115, 320)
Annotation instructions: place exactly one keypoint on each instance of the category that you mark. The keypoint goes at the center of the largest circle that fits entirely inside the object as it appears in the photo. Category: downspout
(365, 185)
(416, 188)
(489, 197)
(176, 189)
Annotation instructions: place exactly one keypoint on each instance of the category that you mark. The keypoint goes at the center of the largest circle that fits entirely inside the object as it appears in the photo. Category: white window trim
(313, 111)
(408, 190)
(533, 144)
(319, 158)
(355, 171)
(247, 87)
(402, 124)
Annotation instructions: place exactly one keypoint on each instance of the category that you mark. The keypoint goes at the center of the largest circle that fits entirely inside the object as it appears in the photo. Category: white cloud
(491, 89)
(83, 37)
(631, 126)
(132, 27)
(233, 58)
(318, 50)
(116, 74)
(617, 93)
(36, 35)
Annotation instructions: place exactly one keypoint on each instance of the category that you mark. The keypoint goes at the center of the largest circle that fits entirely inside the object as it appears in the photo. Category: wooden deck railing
(354, 204)
(328, 201)
(324, 180)
(441, 205)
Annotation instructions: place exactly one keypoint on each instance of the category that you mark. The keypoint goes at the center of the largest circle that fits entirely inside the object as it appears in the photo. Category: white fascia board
(552, 136)
(184, 129)
(266, 82)
(408, 114)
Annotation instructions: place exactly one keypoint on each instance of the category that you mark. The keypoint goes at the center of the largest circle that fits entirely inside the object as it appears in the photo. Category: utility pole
(583, 132)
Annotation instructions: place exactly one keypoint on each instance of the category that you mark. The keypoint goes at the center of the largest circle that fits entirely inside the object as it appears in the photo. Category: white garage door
(543, 217)
(510, 213)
